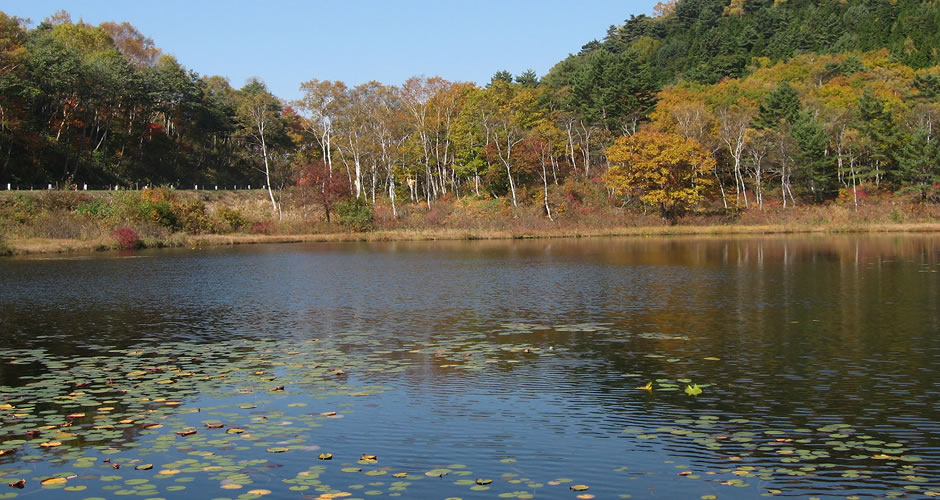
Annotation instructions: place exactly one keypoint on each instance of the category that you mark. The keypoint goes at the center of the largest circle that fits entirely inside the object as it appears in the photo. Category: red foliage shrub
(847, 196)
(439, 212)
(572, 196)
(261, 227)
(127, 238)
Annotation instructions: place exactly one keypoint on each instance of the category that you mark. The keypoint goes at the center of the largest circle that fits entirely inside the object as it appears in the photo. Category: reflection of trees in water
(809, 331)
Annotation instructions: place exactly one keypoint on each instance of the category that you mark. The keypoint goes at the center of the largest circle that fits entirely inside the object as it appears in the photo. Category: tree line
(735, 103)
(103, 105)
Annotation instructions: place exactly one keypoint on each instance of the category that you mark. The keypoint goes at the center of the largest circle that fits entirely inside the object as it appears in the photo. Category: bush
(230, 217)
(921, 193)
(191, 216)
(127, 238)
(847, 194)
(125, 205)
(4, 248)
(158, 212)
(160, 207)
(61, 225)
(355, 214)
(439, 213)
(159, 194)
(24, 208)
(96, 209)
(57, 200)
(262, 227)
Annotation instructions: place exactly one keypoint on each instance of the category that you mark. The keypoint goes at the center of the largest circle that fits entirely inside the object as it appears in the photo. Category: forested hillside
(721, 104)
(102, 105)
(707, 40)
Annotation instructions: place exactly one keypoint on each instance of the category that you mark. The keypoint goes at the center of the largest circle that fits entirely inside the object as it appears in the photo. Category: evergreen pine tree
(783, 104)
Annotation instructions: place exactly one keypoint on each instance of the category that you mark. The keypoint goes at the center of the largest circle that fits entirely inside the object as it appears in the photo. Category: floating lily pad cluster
(246, 417)
(786, 457)
(107, 422)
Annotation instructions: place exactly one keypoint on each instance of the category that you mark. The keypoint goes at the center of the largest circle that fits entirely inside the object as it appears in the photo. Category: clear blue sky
(286, 42)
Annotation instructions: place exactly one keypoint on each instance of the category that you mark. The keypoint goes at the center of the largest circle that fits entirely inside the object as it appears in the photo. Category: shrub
(191, 216)
(160, 207)
(158, 194)
(847, 195)
(572, 193)
(382, 214)
(261, 227)
(125, 205)
(439, 213)
(127, 238)
(932, 194)
(896, 216)
(4, 248)
(24, 208)
(355, 214)
(158, 212)
(96, 209)
(231, 217)
(57, 200)
(60, 225)
(921, 193)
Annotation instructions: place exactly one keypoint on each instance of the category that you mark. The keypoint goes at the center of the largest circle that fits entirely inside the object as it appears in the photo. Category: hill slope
(707, 40)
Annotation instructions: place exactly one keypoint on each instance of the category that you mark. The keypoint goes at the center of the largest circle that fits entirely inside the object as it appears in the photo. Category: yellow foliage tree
(662, 169)
(664, 9)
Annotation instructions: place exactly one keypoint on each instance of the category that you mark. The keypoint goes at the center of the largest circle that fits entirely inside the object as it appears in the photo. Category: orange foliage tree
(662, 169)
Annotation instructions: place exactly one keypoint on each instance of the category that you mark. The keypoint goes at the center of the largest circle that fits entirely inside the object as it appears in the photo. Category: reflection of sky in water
(809, 332)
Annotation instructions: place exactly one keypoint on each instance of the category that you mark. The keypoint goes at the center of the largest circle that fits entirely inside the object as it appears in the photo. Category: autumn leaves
(662, 169)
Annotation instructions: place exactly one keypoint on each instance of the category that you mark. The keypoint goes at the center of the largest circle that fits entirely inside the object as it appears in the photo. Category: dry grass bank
(26, 246)
(70, 222)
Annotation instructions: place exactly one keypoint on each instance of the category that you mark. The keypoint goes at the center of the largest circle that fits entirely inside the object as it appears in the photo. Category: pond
(572, 368)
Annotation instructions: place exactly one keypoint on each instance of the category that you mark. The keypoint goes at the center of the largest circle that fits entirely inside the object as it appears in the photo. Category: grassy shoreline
(85, 222)
(32, 246)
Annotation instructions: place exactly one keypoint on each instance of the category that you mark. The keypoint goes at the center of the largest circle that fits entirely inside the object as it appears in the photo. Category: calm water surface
(518, 362)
